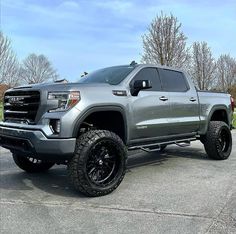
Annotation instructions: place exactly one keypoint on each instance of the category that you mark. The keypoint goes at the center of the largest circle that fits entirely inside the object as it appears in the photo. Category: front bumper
(35, 143)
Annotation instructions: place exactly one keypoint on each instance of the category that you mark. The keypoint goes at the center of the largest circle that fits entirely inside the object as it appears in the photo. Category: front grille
(21, 106)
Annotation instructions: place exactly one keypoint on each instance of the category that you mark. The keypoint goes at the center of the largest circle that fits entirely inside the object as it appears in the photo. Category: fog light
(55, 125)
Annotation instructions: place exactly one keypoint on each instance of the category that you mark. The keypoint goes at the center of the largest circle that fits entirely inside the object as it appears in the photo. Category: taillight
(232, 103)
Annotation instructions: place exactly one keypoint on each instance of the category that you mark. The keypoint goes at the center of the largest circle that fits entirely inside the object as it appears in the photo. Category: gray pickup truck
(90, 125)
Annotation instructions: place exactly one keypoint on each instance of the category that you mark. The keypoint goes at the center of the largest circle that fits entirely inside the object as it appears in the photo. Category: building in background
(3, 88)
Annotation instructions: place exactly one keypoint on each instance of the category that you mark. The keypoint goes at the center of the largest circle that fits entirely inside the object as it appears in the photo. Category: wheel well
(105, 120)
(220, 115)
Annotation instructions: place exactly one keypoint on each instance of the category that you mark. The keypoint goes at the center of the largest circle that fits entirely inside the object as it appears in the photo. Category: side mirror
(140, 85)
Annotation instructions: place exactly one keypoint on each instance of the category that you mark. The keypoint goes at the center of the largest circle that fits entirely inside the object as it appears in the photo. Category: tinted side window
(173, 81)
(149, 74)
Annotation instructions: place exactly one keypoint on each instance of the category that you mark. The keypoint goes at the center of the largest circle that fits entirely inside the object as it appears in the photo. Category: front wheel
(30, 164)
(99, 163)
(218, 140)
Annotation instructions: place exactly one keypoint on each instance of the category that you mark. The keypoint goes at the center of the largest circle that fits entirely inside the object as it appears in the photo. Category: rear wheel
(99, 163)
(218, 140)
(30, 164)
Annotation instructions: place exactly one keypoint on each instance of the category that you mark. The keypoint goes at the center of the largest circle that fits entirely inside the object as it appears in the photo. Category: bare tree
(226, 72)
(9, 66)
(165, 43)
(203, 66)
(37, 69)
(232, 91)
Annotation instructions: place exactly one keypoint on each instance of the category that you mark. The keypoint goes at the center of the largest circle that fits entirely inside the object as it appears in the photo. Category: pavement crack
(217, 217)
(176, 214)
(81, 206)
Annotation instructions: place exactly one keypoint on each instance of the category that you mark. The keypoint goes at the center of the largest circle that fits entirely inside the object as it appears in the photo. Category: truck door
(150, 108)
(184, 106)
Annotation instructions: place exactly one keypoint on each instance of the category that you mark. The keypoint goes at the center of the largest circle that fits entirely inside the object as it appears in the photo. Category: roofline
(160, 66)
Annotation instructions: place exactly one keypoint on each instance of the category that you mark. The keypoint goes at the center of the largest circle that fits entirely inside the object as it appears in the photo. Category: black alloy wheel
(102, 164)
(99, 163)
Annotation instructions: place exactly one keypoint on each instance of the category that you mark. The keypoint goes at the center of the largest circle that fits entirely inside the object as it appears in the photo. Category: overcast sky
(84, 35)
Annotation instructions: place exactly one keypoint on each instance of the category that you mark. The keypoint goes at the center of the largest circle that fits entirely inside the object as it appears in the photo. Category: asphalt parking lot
(178, 191)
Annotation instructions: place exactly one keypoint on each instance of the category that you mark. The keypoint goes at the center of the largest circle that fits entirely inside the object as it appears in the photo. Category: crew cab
(91, 124)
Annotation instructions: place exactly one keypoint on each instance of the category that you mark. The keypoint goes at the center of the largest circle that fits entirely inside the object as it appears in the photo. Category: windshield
(110, 75)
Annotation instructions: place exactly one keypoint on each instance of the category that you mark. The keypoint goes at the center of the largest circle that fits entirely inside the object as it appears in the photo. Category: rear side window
(173, 81)
(149, 74)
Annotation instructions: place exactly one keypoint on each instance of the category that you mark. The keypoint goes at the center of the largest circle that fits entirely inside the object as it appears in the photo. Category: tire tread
(76, 165)
(210, 140)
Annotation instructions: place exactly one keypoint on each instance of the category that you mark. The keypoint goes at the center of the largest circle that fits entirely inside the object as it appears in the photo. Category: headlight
(66, 100)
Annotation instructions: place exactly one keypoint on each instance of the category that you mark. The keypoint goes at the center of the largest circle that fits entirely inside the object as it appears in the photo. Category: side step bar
(157, 146)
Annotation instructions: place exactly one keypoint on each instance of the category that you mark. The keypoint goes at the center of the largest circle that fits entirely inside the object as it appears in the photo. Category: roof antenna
(84, 74)
(133, 63)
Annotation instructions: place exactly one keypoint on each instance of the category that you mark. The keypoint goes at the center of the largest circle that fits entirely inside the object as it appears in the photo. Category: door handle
(163, 98)
(192, 99)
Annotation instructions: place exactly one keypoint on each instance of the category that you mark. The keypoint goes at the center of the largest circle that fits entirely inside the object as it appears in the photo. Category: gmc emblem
(16, 100)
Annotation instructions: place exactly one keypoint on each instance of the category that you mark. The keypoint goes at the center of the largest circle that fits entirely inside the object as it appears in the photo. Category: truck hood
(64, 86)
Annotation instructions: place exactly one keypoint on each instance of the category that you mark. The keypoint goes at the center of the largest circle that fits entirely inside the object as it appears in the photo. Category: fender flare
(95, 109)
(212, 111)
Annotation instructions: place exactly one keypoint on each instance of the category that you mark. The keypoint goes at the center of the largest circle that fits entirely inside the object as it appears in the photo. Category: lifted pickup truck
(90, 125)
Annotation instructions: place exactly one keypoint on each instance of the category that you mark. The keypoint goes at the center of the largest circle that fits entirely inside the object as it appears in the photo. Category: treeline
(165, 43)
(33, 69)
